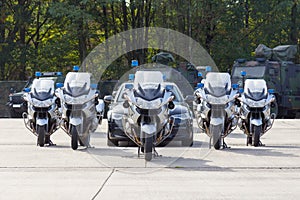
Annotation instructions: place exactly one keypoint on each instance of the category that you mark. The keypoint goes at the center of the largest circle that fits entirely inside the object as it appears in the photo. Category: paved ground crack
(102, 186)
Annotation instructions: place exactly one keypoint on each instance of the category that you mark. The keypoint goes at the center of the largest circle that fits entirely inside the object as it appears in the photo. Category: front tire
(148, 148)
(74, 137)
(215, 132)
(41, 132)
(256, 135)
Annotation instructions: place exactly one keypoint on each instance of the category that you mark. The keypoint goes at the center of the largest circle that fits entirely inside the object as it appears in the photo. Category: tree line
(53, 35)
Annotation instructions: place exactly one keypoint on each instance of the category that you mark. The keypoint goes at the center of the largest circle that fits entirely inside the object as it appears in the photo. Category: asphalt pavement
(101, 172)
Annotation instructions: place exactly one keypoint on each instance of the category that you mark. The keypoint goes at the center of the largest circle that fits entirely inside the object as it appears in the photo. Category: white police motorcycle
(147, 121)
(42, 118)
(79, 107)
(255, 113)
(216, 110)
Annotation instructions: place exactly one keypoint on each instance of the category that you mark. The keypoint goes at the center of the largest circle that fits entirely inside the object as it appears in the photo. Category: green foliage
(53, 35)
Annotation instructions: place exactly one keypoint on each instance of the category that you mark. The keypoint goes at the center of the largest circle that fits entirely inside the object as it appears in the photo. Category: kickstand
(155, 153)
(51, 143)
(225, 146)
(139, 151)
(261, 144)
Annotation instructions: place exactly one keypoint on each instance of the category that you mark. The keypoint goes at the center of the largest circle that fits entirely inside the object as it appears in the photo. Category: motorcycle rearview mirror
(59, 85)
(171, 105)
(129, 86)
(126, 104)
(108, 98)
(200, 85)
(26, 89)
(271, 91)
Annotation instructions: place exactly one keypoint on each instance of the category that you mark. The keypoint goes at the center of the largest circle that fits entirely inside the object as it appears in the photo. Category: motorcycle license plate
(17, 106)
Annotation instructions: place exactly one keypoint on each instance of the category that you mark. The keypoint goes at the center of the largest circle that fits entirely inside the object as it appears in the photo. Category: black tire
(111, 142)
(256, 135)
(148, 148)
(74, 137)
(41, 132)
(190, 141)
(81, 143)
(216, 136)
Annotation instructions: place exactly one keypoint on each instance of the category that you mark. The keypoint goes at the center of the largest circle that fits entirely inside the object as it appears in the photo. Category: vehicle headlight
(148, 104)
(217, 100)
(255, 104)
(77, 100)
(42, 104)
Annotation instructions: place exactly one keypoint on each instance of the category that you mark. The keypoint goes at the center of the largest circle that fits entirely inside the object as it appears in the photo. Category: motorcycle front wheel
(74, 137)
(148, 148)
(41, 132)
(256, 135)
(215, 132)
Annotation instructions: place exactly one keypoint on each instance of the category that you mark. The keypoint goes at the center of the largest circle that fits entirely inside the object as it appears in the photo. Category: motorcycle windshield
(77, 83)
(217, 84)
(255, 89)
(149, 92)
(42, 89)
(148, 77)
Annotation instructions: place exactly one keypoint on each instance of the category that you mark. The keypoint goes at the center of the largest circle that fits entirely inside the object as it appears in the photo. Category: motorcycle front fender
(216, 121)
(75, 121)
(41, 121)
(149, 129)
(256, 122)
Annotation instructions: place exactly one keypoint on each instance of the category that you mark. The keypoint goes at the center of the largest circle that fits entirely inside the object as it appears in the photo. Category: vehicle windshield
(175, 90)
(217, 84)
(255, 89)
(42, 89)
(148, 77)
(252, 72)
(77, 83)
(177, 94)
(43, 85)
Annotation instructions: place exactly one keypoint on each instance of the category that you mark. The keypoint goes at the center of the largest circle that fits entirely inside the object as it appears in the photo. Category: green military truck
(279, 71)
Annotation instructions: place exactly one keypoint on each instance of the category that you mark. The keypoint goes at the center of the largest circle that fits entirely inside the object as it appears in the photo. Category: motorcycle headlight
(255, 104)
(217, 100)
(148, 104)
(42, 104)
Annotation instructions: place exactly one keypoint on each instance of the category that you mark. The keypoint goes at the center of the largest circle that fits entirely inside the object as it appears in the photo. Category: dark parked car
(181, 115)
(17, 105)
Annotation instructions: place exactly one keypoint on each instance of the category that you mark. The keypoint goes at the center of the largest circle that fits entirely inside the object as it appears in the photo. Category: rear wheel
(41, 132)
(74, 137)
(256, 135)
(148, 148)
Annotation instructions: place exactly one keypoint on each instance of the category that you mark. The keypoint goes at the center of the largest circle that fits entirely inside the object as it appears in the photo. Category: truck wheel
(74, 137)
(256, 135)
(41, 132)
